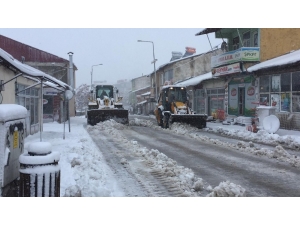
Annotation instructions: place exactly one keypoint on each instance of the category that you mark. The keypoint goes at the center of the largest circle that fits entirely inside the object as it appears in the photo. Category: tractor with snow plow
(173, 106)
(105, 103)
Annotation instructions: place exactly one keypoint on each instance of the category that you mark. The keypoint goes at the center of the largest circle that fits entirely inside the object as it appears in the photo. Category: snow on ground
(181, 177)
(289, 138)
(84, 171)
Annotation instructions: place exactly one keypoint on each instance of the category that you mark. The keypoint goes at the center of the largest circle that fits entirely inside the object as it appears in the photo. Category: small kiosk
(12, 134)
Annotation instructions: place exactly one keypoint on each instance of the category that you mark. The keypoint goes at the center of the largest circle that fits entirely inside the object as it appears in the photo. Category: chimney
(189, 51)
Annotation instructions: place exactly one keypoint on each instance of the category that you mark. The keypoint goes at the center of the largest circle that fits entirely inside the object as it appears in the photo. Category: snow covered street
(88, 172)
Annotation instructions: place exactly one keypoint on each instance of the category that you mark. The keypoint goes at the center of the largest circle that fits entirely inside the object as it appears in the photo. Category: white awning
(195, 80)
(286, 59)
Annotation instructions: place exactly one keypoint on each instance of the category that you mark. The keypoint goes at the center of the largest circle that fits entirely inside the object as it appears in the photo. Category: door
(241, 101)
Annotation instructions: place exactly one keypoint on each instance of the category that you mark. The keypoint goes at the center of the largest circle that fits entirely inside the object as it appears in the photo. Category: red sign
(251, 91)
(233, 68)
(233, 92)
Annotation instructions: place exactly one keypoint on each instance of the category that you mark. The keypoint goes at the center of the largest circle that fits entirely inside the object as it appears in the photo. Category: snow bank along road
(150, 161)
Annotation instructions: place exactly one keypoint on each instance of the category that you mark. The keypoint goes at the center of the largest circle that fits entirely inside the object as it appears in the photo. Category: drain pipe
(71, 83)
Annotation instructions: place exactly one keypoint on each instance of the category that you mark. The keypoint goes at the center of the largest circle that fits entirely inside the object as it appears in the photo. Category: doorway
(241, 101)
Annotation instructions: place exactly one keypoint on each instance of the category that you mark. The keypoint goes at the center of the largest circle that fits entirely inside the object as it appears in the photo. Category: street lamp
(92, 74)
(154, 60)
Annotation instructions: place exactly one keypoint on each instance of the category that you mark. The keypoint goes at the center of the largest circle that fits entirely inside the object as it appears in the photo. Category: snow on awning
(145, 94)
(140, 89)
(286, 59)
(140, 103)
(195, 80)
(30, 71)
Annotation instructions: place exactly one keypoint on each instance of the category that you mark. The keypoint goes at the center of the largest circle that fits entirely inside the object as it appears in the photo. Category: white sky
(117, 49)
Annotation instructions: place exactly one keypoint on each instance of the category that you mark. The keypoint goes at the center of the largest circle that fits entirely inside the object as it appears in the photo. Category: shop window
(285, 102)
(296, 102)
(221, 91)
(246, 39)
(31, 102)
(255, 39)
(264, 99)
(285, 82)
(296, 81)
(275, 83)
(235, 43)
(276, 101)
(36, 110)
(27, 92)
(214, 91)
(264, 84)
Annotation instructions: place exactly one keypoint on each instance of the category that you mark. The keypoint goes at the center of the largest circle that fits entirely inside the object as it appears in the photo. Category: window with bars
(246, 39)
(235, 43)
(29, 99)
(255, 39)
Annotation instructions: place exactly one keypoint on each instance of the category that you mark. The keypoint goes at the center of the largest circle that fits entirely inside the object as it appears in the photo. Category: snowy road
(260, 176)
(210, 161)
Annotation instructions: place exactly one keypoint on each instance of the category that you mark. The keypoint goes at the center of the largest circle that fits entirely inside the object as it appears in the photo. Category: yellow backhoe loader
(173, 106)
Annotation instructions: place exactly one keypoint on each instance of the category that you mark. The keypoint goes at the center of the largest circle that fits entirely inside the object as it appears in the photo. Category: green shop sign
(245, 54)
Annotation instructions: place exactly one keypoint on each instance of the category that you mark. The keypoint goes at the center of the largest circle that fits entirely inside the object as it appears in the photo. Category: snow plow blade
(95, 116)
(196, 120)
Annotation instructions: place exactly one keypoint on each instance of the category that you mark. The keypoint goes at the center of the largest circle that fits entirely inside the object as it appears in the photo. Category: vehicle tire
(160, 118)
(166, 121)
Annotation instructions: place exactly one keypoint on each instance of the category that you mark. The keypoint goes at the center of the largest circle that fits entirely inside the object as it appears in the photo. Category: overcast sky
(116, 48)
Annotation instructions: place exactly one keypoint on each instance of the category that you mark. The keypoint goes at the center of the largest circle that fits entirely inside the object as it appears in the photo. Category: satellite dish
(271, 124)
(224, 46)
(68, 94)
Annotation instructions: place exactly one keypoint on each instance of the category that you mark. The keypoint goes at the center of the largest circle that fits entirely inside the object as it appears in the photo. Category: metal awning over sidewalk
(29, 72)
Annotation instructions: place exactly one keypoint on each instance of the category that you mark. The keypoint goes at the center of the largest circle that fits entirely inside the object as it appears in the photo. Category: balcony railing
(244, 54)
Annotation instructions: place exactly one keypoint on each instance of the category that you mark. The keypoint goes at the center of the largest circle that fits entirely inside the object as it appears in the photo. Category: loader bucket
(95, 116)
(196, 120)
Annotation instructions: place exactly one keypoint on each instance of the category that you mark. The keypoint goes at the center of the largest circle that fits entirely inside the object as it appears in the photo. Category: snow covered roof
(141, 89)
(180, 59)
(30, 71)
(140, 103)
(288, 58)
(147, 93)
(195, 80)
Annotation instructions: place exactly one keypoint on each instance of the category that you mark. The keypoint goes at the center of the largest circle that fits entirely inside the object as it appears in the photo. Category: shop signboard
(233, 99)
(245, 54)
(223, 70)
(250, 106)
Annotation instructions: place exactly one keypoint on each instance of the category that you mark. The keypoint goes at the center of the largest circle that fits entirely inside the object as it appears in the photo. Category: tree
(82, 97)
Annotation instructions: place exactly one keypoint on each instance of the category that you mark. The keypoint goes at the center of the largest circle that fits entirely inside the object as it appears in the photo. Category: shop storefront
(279, 86)
(241, 96)
(210, 98)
